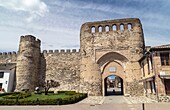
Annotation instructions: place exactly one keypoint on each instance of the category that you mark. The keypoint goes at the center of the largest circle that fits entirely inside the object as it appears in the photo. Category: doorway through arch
(113, 85)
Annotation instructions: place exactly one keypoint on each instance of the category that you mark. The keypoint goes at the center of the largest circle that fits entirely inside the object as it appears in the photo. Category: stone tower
(28, 63)
(109, 44)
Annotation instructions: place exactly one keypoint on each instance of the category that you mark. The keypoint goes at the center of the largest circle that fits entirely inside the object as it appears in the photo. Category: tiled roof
(161, 46)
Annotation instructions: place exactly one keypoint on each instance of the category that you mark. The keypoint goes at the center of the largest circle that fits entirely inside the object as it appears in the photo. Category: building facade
(112, 47)
(7, 78)
(155, 69)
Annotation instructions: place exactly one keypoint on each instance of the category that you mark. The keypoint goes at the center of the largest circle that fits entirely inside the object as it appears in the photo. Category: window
(93, 30)
(114, 27)
(121, 27)
(107, 28)
(1, 74)
(100, 28)
(129, 26)
(0, 85)
(165, 58)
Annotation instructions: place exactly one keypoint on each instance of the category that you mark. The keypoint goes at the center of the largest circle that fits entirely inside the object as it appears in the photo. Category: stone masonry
(28, 61)
(104, 44)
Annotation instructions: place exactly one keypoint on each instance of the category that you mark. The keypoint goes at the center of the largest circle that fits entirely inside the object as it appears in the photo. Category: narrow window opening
(114, 27)
(129, 26)
(93, 30)
(107, 28)
(100, 28)
(121, 27)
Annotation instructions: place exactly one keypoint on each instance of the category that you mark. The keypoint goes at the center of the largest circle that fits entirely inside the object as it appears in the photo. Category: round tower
(28, 63)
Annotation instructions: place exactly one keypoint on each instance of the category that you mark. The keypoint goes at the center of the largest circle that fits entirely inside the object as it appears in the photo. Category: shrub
(17, 95)
(67, 92)
(20, 100)
(7, 102)
(48, 92)
(8, 93)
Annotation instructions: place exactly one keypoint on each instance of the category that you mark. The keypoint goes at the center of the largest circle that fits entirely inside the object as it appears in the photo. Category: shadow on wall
(42, 72)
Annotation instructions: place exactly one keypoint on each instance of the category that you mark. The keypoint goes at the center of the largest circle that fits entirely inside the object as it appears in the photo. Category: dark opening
(1, 74)
(0, 85)
(113, 85)
(167, 86)
(165, 60)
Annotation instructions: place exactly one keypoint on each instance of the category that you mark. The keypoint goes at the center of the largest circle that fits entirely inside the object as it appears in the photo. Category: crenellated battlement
(30, 38)
(62, 51)
(8, 54)
(112, 25)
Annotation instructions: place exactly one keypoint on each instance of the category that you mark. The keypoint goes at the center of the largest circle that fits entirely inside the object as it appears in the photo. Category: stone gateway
(112, 47)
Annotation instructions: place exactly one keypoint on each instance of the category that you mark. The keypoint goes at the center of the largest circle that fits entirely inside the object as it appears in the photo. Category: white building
(7, 80)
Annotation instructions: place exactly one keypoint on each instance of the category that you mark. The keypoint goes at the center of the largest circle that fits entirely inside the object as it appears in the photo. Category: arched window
(114, 27)
(100, 28)
(121, 27)
(129, 26)
(93, 29)
(107, 28)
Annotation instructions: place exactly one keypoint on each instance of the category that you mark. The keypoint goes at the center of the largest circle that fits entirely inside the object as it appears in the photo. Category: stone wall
(10, 57)
(63, 67)
(130, 39)
(8, 60)
(134, 88)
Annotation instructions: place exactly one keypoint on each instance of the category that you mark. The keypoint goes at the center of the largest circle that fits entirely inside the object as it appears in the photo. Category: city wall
(63, 67)
(100, 44)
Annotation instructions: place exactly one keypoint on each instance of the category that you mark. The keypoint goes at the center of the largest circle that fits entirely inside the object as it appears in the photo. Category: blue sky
(111, 77)
(57, 22)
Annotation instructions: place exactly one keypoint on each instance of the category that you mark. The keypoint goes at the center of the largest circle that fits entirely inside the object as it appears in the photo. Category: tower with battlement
(109, 44)
(28, 63)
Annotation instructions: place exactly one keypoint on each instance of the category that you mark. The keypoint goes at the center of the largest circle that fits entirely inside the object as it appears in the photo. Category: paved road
(73, 107)
(154, 106)
(98, 103)
(114, 100)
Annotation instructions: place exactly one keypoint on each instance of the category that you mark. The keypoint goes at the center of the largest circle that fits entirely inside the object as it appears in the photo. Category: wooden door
(167, 86)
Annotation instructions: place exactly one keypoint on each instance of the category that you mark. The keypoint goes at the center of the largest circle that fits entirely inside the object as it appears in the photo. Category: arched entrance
(113, 64)
(113, 85)
(113, 73)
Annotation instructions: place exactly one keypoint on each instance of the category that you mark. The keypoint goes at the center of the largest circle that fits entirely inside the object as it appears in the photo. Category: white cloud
(35, 8)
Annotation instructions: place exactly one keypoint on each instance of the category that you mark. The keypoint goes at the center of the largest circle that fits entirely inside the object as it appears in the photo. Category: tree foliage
(49, 84)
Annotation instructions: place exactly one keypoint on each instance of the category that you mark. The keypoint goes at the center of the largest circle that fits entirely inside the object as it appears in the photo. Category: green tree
(49, 84)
